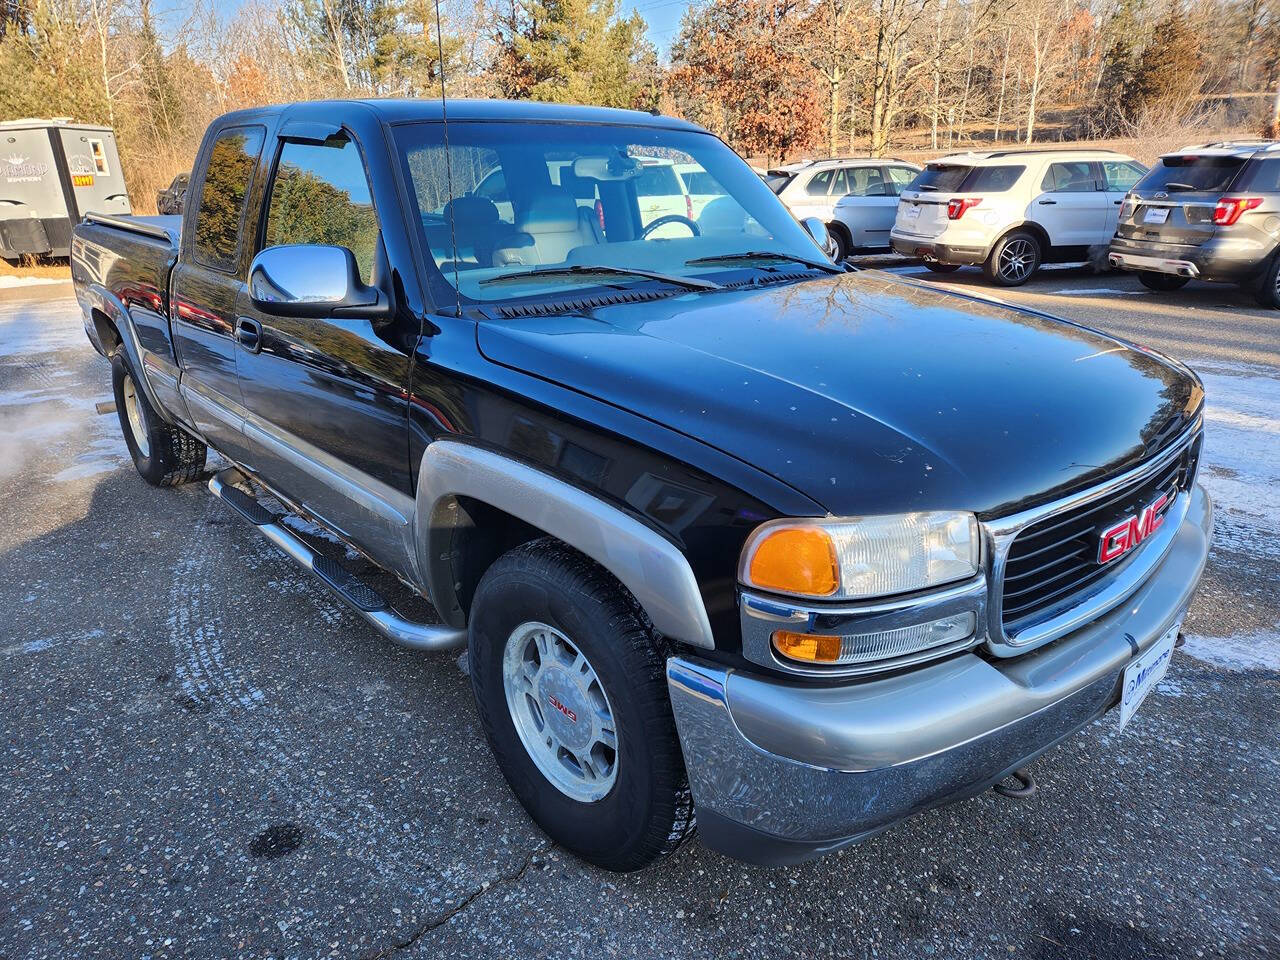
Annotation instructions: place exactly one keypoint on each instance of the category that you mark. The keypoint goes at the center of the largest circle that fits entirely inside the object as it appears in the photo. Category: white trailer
(53, 172)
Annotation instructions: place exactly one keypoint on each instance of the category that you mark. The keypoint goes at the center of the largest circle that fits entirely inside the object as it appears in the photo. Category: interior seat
(550, 225)
(476, 230)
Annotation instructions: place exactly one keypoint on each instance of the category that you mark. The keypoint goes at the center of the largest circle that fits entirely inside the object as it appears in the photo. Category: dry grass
(32, 267)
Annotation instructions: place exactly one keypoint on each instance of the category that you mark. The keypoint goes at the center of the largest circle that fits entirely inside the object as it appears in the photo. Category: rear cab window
(233, 158)
(1192, 174)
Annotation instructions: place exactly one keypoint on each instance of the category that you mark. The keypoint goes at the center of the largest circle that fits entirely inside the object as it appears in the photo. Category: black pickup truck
(726, 529)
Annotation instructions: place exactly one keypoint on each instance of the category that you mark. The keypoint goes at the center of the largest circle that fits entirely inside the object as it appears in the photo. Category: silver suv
(1012, 210)
(1210, 211)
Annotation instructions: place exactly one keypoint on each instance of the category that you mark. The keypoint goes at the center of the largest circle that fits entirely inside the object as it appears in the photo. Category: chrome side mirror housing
(312, 280)
(817, 230)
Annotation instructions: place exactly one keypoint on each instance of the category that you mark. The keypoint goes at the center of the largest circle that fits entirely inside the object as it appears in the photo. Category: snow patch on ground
(1246, 651)
(1241, 462)
(9, 280)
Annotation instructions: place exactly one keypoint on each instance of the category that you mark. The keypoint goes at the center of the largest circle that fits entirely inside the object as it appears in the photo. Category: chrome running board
(357, 594)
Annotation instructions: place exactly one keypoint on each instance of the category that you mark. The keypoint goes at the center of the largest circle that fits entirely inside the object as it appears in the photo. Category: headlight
(862, 557)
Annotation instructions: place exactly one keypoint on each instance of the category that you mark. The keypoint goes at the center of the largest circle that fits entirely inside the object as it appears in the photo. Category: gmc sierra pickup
(726, 529)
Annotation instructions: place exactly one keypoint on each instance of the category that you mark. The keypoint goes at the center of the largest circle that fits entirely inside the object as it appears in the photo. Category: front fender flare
(646, 563)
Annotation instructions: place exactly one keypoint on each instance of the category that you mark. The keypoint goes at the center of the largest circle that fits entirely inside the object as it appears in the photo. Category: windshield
(527, 197)
(1191, 174)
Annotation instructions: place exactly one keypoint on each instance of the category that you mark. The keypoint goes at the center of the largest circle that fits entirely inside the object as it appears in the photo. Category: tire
(164, 455)
(645, 811)
(1014, 259)
(937, 267)
(843, 245)
(1161, 282)
(1268, 289)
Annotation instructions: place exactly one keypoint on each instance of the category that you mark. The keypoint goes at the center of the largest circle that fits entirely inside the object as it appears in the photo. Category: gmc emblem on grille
(1118, 540)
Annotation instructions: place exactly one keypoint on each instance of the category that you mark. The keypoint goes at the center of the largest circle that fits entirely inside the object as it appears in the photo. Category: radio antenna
(448, 164)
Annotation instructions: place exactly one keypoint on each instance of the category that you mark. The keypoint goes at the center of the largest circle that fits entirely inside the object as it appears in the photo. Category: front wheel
(1014, 260)
(164, 455)
(570, 685)
(1161, 282)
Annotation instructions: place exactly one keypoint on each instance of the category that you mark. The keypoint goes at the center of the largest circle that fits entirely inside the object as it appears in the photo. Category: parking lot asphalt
(204, 754)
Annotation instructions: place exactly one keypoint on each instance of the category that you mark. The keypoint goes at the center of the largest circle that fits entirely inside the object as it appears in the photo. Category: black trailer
(53, 172)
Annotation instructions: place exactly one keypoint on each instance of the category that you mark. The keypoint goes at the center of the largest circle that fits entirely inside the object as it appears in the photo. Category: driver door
(326, 397)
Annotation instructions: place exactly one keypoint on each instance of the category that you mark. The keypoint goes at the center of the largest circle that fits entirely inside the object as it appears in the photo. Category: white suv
(1012, 210)
(855, 197)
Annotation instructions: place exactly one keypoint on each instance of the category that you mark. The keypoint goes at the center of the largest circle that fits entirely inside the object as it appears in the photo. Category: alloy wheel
(133, 410)
(1017, 260)
(560, 711)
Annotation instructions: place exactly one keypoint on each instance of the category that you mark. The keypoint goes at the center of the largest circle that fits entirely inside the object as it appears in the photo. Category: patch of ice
(1244, 651)
(8, 280)
(1098, 291)
(1242, 457)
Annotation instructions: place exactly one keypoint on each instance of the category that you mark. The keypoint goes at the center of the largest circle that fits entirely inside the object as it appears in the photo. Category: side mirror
(817, 230)
(310, 280)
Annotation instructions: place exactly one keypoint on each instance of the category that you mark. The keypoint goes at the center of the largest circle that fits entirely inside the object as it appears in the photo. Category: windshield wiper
(1180, 187)
(581, 270)
(763, 255)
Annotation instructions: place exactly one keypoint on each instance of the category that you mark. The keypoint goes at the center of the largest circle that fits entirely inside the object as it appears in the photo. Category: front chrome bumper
(782, 772)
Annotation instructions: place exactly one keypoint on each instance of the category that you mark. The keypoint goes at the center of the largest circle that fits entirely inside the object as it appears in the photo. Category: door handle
(1117, 202)
(249, 334)
(1048, 203)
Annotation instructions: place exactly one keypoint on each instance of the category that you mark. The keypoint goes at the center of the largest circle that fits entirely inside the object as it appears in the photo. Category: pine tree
(1169, 71)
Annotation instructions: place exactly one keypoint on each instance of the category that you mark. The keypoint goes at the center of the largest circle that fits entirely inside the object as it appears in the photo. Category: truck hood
(870, 393)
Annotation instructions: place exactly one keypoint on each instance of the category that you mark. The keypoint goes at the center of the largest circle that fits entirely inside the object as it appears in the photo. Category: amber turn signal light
(796, 560)
(813, 647)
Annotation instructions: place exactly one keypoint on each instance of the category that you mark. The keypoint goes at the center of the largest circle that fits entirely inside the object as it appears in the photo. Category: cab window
(321, 195)
(899, 178)
(1076, 176)
(820, 185)
(220, 214)
(1119, 176)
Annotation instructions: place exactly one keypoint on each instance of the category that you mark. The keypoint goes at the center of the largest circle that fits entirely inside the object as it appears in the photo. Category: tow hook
(1023, 792)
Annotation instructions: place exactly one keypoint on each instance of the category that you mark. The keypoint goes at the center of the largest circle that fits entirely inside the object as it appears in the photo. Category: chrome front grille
(1048, 578)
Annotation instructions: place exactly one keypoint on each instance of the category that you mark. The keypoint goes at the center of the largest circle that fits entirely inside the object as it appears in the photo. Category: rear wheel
(164, 455)
(1268, 290)
(570, 685)
(1162, 282)
(1014, 260)
(937, 267)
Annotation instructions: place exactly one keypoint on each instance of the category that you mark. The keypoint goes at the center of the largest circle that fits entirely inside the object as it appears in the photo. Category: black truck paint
(789, 392)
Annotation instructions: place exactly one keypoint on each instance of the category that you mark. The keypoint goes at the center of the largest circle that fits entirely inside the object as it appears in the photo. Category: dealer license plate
(912, 212)
(1141, 676)
(1156, 215)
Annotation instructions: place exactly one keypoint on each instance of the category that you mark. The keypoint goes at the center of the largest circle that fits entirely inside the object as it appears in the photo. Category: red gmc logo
(1131, 531)
(573, 717)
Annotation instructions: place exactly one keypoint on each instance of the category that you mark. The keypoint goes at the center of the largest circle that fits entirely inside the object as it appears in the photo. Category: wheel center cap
(565, 710)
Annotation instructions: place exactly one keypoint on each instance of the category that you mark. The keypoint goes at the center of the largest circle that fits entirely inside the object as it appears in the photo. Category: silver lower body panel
(782, 772)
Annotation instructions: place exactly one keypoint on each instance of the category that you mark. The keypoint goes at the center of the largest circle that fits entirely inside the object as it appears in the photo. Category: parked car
(1210, 212)
(1009, 211)
(856, 197)
(169, 200)
(727, 530)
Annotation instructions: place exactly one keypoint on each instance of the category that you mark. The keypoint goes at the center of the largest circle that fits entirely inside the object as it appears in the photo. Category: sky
(663, 18)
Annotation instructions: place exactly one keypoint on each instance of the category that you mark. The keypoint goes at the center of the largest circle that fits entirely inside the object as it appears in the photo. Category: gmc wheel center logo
(573, 717)
(1119, 539)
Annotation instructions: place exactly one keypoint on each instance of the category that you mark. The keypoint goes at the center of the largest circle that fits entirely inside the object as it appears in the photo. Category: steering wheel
(670, 218)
